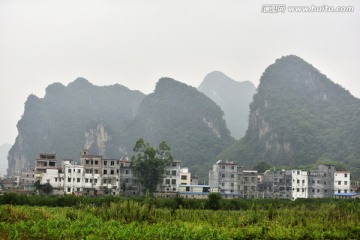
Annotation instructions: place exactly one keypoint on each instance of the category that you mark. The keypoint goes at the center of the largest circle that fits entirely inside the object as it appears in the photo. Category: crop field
(131, 219)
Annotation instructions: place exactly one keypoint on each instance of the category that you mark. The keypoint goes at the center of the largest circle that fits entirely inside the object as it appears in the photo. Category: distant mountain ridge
(189, 121)
(299, 116)
(233, 97)
(71, 117)
(108, 120)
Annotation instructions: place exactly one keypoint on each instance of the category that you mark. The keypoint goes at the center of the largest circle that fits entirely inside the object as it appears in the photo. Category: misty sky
(134, 43)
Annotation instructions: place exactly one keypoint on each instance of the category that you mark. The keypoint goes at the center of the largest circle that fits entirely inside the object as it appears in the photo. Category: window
(56, 179)
(222, 167)
(78, 179)
(298, 189)
(253, 179)
(173, 164)
(223, 175)
(117, 171)
(95, 181)
(105, 171)
(105, 163)
(187, 189)
(339, 182)
(232, 167)
(96, 162)
(91, 181)
(105, 180)
(173, 173)
(87, 171)
(78, 189)
(112, 163)
(183, 177)
(345, 174)
(68, 189)
(69, 170)
(79, 170)
(173, 181)
(96, 171)
(303, 181)
(167, 181)
(345, 182)
(69, 179)
(86, 180)
(339, 191)
(232, 184)
(232, 175)
(245, 179)
(112, 172)
(298, 181)
(298, 172)
(87, 162)
(126, 171)
(324, 182)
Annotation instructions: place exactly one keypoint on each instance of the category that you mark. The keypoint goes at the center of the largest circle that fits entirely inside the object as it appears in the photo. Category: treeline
(214, 202)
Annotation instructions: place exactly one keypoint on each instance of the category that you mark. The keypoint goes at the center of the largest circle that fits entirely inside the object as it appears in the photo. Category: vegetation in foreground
(147, 218)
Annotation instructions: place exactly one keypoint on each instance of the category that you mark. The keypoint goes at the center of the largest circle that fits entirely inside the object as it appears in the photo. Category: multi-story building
(247, 183)
(321, 182)
(275, 184)
(171, 180)
(128, 183)
(224, 176)
(44, 162)
(73, 178)
(299, 181)
(342, 182)
(111, 176)
(92, 172)
(185, 176)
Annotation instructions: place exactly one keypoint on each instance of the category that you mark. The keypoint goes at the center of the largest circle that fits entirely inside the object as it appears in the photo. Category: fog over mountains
(233, 97)
(296, 117)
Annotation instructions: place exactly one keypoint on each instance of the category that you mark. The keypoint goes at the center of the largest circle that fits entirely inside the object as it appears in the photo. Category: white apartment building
(299, 184)
(73, 177)
(342, 182)
(185, 176)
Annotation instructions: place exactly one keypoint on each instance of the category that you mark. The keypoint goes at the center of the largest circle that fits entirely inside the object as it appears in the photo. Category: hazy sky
(134, 43)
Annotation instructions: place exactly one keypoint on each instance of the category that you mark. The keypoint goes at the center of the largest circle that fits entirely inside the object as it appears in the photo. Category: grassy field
(130, 219)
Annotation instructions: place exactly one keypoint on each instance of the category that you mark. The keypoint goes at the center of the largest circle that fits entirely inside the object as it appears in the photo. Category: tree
(149, 163)
(46, 188)
(214, 201)
(261, 167)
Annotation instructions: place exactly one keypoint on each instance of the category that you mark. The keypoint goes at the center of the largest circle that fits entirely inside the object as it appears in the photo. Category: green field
(151, 219)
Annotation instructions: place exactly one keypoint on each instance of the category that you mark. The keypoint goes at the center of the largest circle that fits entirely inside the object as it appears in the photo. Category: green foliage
(214, 201)
(129, 219)
(149, 163)
(261, 167)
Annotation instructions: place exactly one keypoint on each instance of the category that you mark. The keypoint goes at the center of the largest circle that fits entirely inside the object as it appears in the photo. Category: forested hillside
(298, 117)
